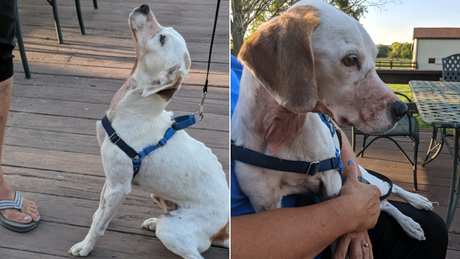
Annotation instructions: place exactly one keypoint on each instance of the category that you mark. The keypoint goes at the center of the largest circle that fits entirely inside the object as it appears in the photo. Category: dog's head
(163, 59)
(315, 58)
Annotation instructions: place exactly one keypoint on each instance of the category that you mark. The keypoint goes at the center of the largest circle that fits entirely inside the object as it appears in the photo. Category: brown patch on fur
(169, 92)
(279, 54)
(221, 236)
(120, 94)
(282, 128)
(187, 61)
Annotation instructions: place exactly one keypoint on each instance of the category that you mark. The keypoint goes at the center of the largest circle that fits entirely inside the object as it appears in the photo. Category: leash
(205, 87)
(379, 176)
(180, 123)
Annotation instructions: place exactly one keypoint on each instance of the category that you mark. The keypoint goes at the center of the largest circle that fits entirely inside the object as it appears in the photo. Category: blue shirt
(240, 203)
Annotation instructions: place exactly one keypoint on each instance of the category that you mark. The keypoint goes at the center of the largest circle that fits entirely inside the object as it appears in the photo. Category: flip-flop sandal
(11, 225)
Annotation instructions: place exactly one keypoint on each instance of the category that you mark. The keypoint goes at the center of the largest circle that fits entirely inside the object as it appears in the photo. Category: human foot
(29, 210)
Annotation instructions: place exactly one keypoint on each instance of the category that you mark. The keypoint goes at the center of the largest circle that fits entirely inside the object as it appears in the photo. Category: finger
(371, 253)
(356, 252)
(342, 247)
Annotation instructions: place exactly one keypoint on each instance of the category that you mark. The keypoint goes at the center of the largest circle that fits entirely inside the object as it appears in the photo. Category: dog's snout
(399, 108)
(145, 9)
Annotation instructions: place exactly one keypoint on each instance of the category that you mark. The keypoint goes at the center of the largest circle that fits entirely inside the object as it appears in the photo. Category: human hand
(363, 200)
(355, 244)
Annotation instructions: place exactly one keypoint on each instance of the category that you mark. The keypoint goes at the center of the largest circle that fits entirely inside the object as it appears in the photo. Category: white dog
(312, 58)
(187, 180)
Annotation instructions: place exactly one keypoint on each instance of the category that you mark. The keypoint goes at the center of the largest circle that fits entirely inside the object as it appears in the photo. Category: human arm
(353, 241)
(304, 232)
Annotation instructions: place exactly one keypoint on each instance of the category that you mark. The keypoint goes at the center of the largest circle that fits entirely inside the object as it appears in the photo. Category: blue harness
(180, 123)
(255, 158)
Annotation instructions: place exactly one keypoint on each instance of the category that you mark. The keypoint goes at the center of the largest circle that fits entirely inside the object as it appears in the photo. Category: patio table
(438, 104)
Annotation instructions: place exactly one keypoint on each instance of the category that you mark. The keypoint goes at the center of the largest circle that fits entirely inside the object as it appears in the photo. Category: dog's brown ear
(280, 55)
(170, 81)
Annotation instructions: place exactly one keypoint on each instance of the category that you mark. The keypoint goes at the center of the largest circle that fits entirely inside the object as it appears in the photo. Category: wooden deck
(433, 179)
(51, 154)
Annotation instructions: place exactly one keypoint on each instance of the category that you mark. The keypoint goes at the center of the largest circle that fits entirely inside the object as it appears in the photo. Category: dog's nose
(399, 109)
(145, 9)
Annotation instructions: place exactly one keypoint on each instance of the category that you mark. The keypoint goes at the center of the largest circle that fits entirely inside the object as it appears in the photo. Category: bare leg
(29, 208)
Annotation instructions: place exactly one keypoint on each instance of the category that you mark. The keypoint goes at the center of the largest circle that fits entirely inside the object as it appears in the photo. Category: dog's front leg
(417, 201)
(111, 199)
(412, 228)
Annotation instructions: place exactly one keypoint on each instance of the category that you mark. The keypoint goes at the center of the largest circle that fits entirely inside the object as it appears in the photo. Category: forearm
(347, 154)
(291, 232)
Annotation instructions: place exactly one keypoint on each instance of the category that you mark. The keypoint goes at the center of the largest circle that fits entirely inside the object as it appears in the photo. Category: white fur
(346, 94)
(184, 172)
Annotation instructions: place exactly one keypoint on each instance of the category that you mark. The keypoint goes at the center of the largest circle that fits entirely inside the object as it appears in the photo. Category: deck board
(433, 179)
(50, 152)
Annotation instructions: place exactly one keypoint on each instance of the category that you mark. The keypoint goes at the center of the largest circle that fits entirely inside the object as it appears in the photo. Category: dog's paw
(420, 202)
(150, 224)
(81, 249)
(412, 229)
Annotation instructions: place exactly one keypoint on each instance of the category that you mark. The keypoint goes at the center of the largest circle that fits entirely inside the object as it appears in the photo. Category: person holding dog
(16, 213)
(353, 219)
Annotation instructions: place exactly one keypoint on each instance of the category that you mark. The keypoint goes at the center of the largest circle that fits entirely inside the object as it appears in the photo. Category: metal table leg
(454, 185)
(434, 145)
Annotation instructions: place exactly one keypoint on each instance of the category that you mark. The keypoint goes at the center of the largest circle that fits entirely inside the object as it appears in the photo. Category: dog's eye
(350, 60)
(162, 40)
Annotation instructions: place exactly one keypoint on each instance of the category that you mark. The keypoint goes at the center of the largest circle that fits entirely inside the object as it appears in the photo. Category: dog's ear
(280, 55)
(170, 81)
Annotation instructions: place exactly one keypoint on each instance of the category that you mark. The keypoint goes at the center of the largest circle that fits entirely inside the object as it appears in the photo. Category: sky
(396, 22)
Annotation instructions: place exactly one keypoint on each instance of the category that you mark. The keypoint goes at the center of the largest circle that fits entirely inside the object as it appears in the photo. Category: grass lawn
(405, 89)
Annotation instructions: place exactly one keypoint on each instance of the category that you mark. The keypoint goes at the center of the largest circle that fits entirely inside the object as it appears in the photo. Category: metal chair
(406, 127)
(450, 73)
(451, 68)
(57, 23)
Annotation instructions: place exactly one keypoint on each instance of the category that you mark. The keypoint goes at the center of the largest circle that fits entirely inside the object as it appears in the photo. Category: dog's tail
(221, 238)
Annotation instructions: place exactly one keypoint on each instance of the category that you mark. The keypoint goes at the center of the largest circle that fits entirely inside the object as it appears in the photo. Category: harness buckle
(162, 142)
(114, 138)
(309, 167)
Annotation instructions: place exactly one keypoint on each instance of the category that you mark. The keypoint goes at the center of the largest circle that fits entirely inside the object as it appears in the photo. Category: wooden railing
(403, 76)
(391, 64)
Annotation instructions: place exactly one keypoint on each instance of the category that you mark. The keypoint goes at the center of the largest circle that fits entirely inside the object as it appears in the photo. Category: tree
(250, 14)
(247, 15)
(383, 50)
(395, 50)
(406, 50)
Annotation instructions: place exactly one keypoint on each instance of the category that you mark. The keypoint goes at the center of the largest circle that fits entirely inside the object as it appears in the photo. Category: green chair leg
(80, 17)
(25, 63)
(57, 23)
(415, 162)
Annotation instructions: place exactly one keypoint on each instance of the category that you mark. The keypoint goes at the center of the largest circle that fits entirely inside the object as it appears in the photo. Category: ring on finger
(365, 244)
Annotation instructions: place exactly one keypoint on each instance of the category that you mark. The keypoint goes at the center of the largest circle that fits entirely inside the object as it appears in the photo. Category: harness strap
(180, 123)
(255, 158)
(113, 136)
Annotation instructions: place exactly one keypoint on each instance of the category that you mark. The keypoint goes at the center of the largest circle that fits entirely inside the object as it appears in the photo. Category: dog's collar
(180, 123)
(251, 157)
